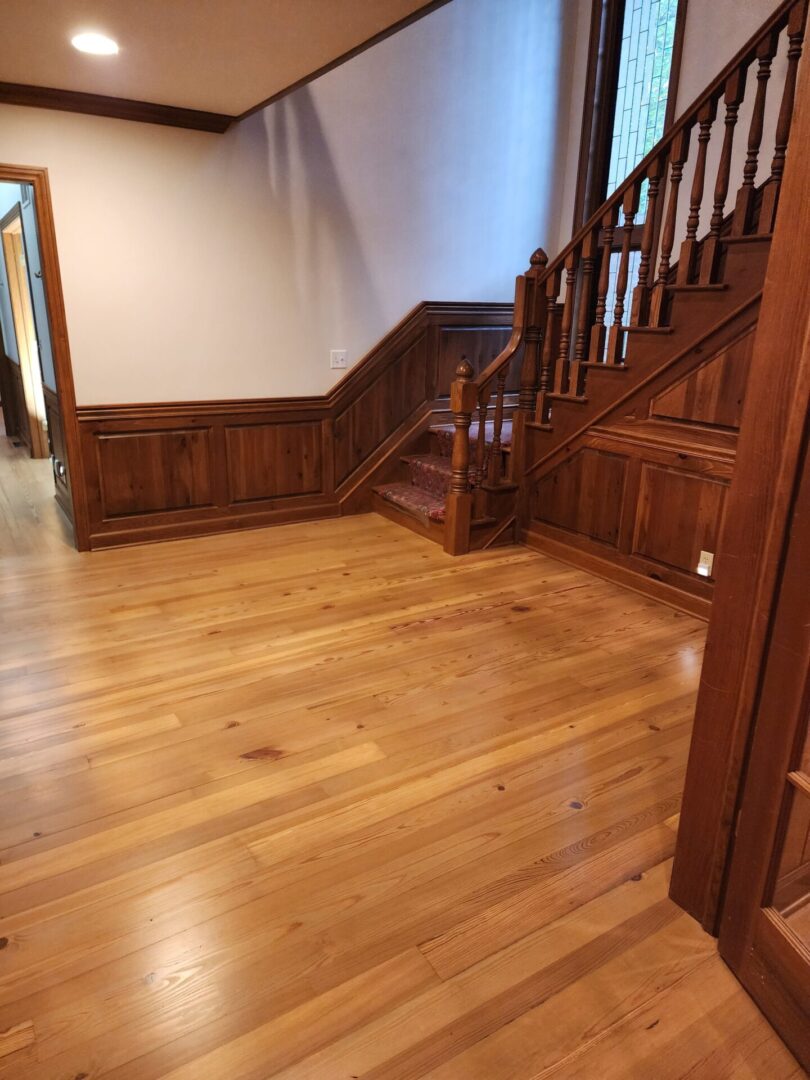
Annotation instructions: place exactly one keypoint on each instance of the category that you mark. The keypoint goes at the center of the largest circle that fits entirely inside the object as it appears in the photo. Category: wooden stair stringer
(648, 384)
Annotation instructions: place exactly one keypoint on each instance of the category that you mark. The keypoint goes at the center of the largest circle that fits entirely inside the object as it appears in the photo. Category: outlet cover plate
(338, 358)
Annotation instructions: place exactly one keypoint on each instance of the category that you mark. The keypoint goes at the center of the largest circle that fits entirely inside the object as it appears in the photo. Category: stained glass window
(648, 33)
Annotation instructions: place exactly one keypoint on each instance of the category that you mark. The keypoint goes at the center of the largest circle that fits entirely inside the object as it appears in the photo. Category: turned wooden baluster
(480, 454)
(458, 506)
(496, 449)
(741, 222)
(770, 194)
(733, 96)
(547, 360)
(615, 347)
(641, 293)
(686, 262)
(561, 375)
(584, 310)
(598, 331)
(678, 155)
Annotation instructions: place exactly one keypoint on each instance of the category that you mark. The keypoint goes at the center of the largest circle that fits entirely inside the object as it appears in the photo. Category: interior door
(765, 931)
(25, 331)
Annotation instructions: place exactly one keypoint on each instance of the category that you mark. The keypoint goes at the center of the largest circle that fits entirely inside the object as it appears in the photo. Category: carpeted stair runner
(423, 494)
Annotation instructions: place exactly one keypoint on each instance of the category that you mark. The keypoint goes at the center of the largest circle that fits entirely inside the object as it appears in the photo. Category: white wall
(202, 266)
(715, 30)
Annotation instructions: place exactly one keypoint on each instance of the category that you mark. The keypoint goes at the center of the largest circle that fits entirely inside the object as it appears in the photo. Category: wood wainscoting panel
(714, 394)
(398, 390)
(270, 461)
(584, 494)
(679, 515)
(163, 470)
(145, 472)
(479, 345)
(22, 422)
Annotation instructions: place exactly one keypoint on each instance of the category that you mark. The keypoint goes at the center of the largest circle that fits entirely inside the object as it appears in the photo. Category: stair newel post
(590, 247)
(641, 293)
(615, 348)
(552, 291)
(458, 507)
(496, 450)
(598, 331)
(562, 373)
(534, 321)
(678, 156)
(741, 222)
(733, 96)
(480, 453)
(686, 261)
(770, 193)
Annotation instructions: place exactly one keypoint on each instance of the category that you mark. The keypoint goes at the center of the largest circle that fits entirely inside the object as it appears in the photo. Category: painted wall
(201, 266)
(715, 30)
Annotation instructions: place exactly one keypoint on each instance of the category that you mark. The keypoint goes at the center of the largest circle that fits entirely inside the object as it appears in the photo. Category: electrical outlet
(705, 563)
(338, 358)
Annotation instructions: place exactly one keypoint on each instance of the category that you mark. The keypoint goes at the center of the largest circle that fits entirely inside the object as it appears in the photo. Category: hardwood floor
(30, 521)
(319, 801)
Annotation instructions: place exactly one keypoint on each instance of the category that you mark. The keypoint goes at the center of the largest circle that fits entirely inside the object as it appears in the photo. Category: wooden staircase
(593, 350)
(417, 495)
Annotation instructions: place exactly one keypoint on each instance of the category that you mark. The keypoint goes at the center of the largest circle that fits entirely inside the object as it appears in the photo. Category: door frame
(63, 369)
(22, 312)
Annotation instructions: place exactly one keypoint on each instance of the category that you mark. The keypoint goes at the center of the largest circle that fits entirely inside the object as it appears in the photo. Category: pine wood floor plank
(318, 799)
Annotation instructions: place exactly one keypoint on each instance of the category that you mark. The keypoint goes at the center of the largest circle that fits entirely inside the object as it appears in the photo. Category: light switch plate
(338, 358)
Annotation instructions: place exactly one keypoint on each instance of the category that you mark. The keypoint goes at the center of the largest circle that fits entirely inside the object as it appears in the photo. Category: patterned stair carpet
(423, 495)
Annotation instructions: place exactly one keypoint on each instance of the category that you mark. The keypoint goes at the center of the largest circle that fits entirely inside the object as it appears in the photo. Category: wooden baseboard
(611, 570)
(164, 470)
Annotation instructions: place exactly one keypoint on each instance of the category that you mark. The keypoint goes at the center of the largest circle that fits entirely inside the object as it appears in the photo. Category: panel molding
(275, 460)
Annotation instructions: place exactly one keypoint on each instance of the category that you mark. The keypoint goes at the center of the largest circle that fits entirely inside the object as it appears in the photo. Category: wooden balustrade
(766, 50)
(641, 293)
(615, 347)
(608, 223)
(686, 260)
(770, 195)
(678, 155)
(560, 337)
(566, 323)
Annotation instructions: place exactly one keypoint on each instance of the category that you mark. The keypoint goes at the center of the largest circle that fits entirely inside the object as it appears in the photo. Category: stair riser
(435, 481)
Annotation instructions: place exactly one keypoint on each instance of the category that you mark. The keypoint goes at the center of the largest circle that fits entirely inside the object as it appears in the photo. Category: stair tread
(413, 500)
(432, 461)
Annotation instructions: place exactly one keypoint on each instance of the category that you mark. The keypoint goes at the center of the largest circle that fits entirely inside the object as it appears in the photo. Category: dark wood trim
(558, 547)
(415, 16)
(63, 369)
(752, 546)
(164, 470)
(599, 105)
(145, 112)
(148, 112)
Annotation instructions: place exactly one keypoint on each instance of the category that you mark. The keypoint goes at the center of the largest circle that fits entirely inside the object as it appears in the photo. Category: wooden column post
(458, 514)
(757, 515)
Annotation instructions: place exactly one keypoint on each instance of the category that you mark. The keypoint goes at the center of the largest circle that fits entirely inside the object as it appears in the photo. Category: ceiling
(220, 56)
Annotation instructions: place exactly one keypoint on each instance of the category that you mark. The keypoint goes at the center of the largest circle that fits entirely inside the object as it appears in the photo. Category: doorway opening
(38, 438)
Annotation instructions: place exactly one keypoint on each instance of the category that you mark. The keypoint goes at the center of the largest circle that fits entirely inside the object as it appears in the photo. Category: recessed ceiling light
(97, 44)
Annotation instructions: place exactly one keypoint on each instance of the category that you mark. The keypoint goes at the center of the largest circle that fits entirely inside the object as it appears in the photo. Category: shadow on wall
(326, 268)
